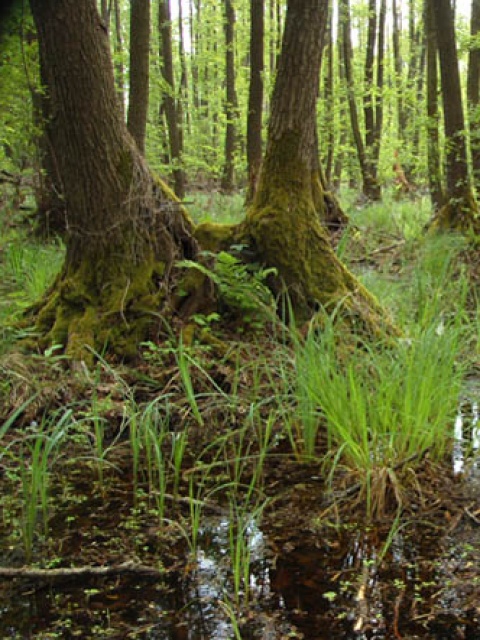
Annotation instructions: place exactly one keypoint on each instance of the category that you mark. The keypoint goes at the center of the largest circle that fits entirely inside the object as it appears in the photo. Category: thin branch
(33, 573)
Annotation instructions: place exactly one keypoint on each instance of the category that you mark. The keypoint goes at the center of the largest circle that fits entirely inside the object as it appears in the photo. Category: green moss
(109, 304)
(216, 237)
(285, 228)
(461, 215)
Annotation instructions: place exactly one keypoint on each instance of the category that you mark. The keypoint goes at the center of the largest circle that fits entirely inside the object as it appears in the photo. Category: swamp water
(425, 583)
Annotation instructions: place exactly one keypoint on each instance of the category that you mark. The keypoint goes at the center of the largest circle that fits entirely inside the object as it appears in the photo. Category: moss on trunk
(458, 214)
(283, 226)
(111, 291)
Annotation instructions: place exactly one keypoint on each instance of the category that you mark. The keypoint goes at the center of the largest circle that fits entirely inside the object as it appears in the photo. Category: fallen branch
(32, 573)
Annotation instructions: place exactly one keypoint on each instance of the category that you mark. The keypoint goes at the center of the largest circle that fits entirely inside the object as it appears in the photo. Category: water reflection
(467, 439)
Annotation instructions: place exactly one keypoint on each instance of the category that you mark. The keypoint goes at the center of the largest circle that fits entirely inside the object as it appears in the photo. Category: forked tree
(125, 230)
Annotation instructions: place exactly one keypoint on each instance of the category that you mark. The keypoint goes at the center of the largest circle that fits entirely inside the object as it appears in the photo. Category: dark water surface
(349, 586)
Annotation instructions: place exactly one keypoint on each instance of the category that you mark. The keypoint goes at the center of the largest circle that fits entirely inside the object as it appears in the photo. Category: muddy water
(337, 587)
(344, 591)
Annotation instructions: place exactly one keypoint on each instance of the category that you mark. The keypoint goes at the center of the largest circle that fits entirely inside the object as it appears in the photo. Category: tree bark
(255, 96)
(169, 102)
(371, 187)
(119, 67)
(398, 66)
(433, 139)
(231, 103)
(124, 228)
(139, 70)
(460, 212)
(283, 222)
(473, 91)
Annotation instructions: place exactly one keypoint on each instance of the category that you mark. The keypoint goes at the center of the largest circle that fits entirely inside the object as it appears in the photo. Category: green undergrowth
(195, 429)
(27, 269)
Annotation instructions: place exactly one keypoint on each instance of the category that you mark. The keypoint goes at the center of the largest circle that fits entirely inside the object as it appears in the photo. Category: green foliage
(383, 409)
(216, 207)
(241, 286)
(18, 79)
(26, 271)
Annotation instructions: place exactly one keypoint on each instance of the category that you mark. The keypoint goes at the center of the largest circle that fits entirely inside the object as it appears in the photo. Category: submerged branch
(34, 573)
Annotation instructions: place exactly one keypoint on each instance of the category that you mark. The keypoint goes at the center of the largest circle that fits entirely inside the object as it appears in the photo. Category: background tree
(255, 96)
(139, 70)
(169, 100)
(231, 102)
(371, 186)
(119, 52)
(124, 231)
(473, 90)
(433, 115)
(460, 211)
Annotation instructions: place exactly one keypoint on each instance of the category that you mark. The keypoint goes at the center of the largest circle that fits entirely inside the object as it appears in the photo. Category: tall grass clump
(383, 409)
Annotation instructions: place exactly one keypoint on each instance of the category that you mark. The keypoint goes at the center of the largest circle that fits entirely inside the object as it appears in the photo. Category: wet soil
(313, 567)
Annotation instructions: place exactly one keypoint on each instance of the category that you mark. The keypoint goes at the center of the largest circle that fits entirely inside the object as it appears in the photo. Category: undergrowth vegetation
(202, 427)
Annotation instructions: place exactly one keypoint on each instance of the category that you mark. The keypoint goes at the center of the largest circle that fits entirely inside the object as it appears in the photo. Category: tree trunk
(398, 66)
(124, 229)
(434, 163)
(183, 105)
(380, 82)
(231, 104)
(169, 104)
(283, 223)
(460, 212)
(255, 96)
(329, 98)
(139, 70)
(473, 91)
(371, 187)
(118, 48)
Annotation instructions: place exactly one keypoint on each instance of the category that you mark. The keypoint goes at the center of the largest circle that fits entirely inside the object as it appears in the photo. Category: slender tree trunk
(371, 187)
(433, 117)
(368, 96)
(231, 104)
(183, 103)
(118, 48)
(255, 96)
(139, 70)
(329, 97)
(169, 103)
(398, 66)
(473, 91)
(124, 229)
(460, 212)
(105, 12)
(380, 82)
(283, 222)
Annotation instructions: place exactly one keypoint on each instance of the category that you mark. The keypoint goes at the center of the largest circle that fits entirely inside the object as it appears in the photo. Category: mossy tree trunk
(124, 230)
(283, 223)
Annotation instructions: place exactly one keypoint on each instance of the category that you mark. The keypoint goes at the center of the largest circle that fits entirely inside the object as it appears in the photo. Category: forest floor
(193, 495)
